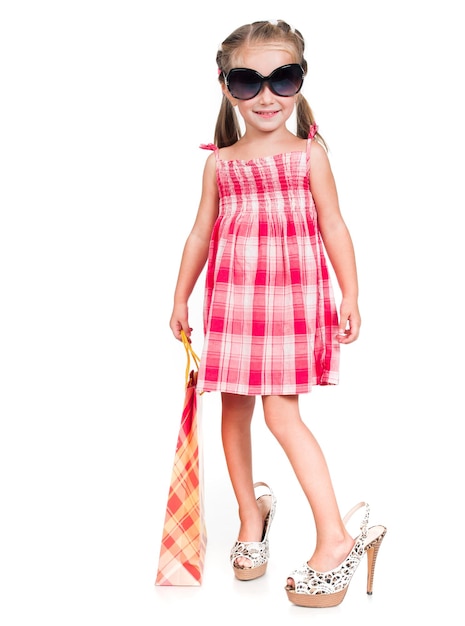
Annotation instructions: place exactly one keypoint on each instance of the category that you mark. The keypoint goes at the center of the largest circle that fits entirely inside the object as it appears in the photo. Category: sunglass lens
(244, 84)
(287, 80)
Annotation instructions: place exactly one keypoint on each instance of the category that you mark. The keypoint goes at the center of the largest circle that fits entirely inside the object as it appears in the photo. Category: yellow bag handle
(190, 354)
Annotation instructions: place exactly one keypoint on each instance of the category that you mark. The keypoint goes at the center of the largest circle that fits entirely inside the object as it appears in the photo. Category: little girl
(268, 206)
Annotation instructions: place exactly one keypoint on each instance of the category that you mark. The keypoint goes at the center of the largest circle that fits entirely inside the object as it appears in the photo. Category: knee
(237, 406)
(279, 413)
(276, 422)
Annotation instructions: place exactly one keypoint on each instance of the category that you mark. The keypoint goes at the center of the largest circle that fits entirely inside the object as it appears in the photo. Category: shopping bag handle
(190, 355)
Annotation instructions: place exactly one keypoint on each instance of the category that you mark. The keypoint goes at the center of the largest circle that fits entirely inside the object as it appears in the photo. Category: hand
(179, 321)
(349, 322)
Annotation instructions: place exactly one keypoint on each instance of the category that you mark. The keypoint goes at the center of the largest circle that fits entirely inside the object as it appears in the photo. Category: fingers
(347, 336)
(179, 321)
(349, 329)
(177, 327)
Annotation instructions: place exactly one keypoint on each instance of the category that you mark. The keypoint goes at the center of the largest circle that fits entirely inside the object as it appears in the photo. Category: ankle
(331, 553)
(251, 525)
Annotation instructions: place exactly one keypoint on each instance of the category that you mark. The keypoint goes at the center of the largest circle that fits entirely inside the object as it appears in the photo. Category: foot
(252, 529)
(329, 558)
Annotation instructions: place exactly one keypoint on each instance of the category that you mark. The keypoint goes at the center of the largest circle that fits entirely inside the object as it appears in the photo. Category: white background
(103, 106)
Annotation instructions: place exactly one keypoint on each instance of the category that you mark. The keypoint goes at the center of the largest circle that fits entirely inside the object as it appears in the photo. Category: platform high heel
(258, 552)
(325, 589)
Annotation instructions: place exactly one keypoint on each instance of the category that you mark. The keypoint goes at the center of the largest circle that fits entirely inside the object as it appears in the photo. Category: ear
(226, 93)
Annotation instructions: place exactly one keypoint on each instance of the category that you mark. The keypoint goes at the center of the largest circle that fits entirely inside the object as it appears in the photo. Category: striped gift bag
(184, 540)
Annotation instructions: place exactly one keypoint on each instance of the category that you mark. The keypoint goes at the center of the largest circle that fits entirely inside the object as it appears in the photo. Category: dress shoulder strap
(210, 146)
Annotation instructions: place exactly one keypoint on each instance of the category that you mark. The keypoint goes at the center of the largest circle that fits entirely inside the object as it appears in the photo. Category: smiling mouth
(266, 113)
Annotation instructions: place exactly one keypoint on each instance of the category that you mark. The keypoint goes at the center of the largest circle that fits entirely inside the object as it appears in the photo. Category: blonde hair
(227, 129)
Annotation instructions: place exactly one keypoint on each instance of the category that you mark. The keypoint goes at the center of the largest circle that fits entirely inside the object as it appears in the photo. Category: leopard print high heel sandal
(258, 552)
(325, 589)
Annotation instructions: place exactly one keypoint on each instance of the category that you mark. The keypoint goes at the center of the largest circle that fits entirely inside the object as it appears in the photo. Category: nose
(265, 93)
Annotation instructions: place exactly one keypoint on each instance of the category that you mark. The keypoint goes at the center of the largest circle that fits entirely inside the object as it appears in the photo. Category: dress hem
(255, 391)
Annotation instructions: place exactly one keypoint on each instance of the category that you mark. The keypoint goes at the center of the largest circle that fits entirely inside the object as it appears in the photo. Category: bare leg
(237, 445)
(333, 542)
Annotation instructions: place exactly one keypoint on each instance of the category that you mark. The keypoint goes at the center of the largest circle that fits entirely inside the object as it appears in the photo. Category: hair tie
(276, 23)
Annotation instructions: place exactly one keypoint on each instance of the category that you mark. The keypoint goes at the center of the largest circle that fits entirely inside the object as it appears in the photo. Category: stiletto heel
(372, 553)
(324, 589)
(258, 552)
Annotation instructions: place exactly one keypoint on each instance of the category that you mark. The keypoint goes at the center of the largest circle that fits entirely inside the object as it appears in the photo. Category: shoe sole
(321, 600)
(249, 573)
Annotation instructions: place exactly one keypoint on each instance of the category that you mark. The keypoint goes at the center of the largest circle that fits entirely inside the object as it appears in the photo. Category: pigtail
(306, 119)
(227, 129)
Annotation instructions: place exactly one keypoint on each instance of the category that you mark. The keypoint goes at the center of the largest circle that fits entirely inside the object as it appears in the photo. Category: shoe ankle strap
(366, 516)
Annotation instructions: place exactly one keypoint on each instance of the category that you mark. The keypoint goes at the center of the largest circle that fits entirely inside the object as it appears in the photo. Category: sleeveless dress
(270, 319)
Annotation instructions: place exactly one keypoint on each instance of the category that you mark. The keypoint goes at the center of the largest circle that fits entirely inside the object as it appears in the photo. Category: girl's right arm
(195, 251)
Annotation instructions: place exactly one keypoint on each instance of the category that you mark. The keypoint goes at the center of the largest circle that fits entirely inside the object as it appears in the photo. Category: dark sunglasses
(245, 84)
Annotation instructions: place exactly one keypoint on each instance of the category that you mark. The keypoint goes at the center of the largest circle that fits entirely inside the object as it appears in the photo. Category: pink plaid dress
(270, 319)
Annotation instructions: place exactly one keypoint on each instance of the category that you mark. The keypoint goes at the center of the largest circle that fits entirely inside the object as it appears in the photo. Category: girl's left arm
(337, 242)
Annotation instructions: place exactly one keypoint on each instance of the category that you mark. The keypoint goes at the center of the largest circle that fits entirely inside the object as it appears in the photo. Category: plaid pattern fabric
(183, 546)
(270, 319)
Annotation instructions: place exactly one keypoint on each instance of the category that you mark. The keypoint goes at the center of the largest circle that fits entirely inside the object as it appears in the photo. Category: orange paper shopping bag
(184, 540)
